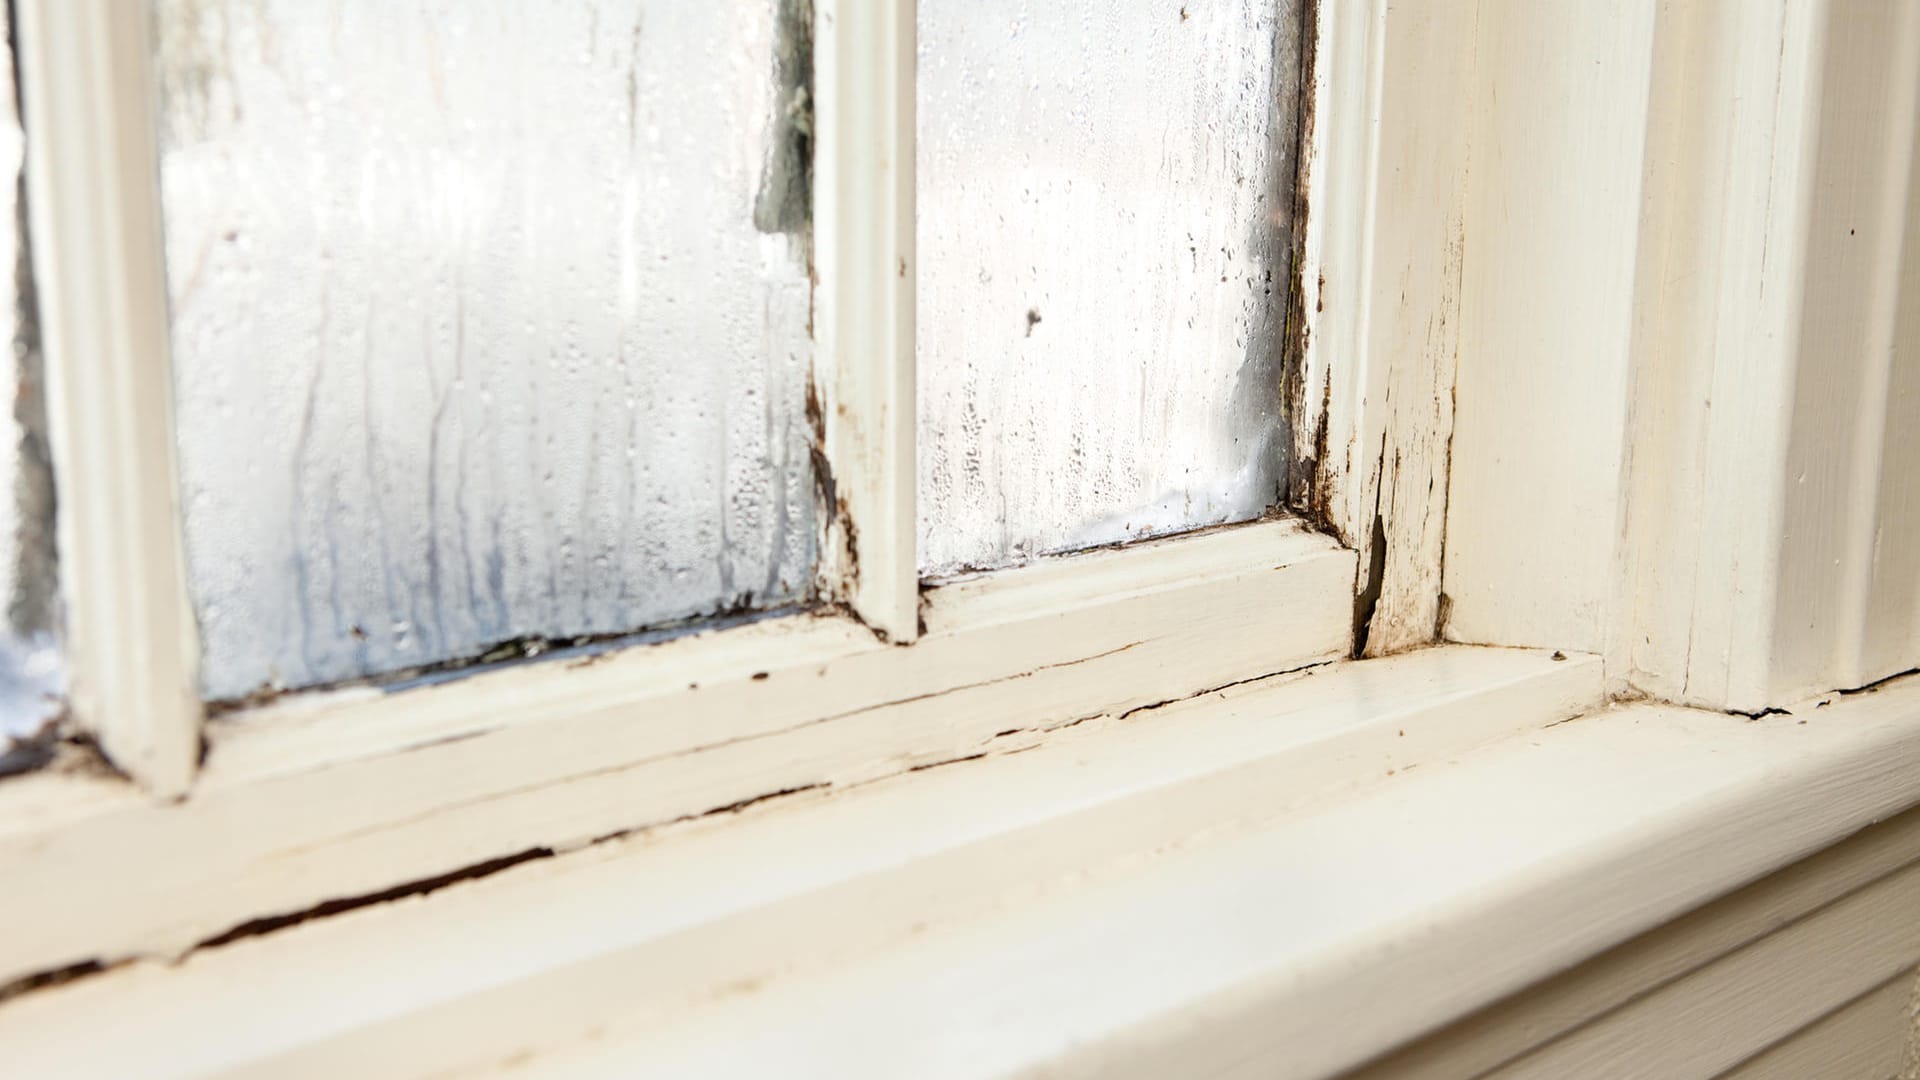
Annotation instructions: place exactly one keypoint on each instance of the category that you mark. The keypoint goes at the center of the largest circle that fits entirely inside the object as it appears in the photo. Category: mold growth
(784, 203)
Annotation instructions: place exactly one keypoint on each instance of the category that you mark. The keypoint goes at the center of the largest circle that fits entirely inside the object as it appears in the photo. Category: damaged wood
(690, 915)
(861, 403)
(1305, 484)
(268, 924)
(306, 801)
(46, 980)
(1001, 744)
(1156, 736)
(1385, 176)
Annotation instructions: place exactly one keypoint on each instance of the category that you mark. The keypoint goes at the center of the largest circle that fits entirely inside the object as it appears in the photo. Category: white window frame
(375, 789)
(1455, 834)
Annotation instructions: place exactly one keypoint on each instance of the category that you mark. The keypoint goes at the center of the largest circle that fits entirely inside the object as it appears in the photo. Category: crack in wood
(265, 925)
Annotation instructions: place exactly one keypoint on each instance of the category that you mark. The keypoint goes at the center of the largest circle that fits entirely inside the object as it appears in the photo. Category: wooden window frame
(379, 788)
(1376, 848)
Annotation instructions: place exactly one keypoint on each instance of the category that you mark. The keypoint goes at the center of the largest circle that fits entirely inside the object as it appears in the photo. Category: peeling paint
(1004, 743)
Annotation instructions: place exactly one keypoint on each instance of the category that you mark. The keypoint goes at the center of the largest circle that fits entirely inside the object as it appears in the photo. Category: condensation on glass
(31, 679)
(1105, 199)
(475, 337)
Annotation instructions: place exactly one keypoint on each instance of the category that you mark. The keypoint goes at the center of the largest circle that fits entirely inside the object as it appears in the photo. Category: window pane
(31, 682)
(475, 336)
(1105, 196)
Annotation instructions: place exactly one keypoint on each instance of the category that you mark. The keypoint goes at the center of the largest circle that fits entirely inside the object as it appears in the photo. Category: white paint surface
(1684, 416)
(360, 790)
(1541, 397)
(1176, 893)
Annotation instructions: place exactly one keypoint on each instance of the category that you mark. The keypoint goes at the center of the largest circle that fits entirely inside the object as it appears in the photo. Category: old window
(473, 332)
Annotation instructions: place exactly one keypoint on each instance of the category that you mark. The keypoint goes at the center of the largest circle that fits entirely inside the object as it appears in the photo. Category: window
(490, 329)
(1603, 311)
(475, 333)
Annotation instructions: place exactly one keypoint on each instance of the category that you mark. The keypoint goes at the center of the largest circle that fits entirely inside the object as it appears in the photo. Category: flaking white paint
(1387, 164)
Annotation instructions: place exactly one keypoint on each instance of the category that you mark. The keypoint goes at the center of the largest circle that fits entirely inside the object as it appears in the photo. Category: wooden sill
(1285, 878)
(339, 797)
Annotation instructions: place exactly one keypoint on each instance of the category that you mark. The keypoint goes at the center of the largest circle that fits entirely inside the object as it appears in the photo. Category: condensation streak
(474, 337)
(1105, 200)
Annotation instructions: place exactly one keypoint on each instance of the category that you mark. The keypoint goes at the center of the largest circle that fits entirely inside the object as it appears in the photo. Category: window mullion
(94, 219)
(864, 307)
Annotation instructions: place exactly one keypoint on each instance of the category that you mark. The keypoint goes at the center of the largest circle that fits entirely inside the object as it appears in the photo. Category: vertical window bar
(864, 330)
(94, 220)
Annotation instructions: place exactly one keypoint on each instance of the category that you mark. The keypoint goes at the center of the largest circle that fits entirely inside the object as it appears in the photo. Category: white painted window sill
(1285, 878)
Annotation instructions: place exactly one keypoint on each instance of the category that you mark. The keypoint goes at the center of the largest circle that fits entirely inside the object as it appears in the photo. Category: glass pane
(31, 681)
(1105, 198)
(475, 336)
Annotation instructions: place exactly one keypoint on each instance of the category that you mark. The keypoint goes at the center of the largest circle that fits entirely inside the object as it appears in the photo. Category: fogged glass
(475, 336)
(31, 680)
(1105, 198)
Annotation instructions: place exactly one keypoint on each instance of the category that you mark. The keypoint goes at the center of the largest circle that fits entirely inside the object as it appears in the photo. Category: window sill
(1284, 878)
(343, 797)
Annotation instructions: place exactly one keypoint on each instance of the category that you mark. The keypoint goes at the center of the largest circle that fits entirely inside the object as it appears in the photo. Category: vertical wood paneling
(1890, 638)
(1862, 1040)
(1688, 390)
(1546, 316)
(1832, 543)
(1714, 360)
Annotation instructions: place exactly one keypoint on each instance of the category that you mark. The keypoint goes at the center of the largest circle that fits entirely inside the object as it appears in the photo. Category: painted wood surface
(1101, 942)
(349, 794)
(1865, 1039)
(1546, 310)
(1231, 967)
(1685, 442)
(1373, 409)
(1718, 1016)
(1671, 955)
(863, 68)
(94, 216)
(663, 926)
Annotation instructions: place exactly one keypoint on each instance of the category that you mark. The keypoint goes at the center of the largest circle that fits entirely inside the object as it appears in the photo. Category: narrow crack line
(52, 977)
(608, 770)
(923, 767)
(270, 924)
(265, 925)
(1223, 686)
(1875, 685)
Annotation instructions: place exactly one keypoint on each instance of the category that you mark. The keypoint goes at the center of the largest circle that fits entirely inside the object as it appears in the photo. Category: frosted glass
(1105, 196)
(31, 680)
(475, 337)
